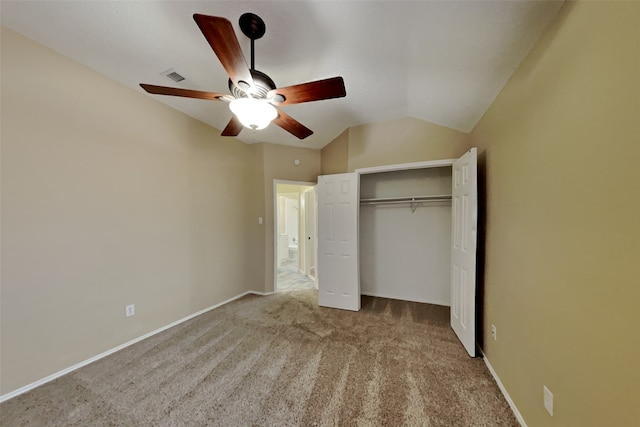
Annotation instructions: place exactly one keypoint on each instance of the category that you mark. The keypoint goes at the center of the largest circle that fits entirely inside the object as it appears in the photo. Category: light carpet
(280, 360)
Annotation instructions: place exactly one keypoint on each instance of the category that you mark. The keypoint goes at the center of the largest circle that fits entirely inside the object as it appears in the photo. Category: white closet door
(338, 202)
(463, 254)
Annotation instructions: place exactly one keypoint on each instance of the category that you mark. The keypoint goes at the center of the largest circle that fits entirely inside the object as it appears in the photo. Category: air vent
(175, 76)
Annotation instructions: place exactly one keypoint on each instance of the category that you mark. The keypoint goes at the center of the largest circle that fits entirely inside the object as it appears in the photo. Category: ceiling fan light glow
(253, 113)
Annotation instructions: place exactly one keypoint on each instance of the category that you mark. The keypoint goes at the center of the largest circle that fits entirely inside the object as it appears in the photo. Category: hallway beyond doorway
(295, 235)
(290, 278)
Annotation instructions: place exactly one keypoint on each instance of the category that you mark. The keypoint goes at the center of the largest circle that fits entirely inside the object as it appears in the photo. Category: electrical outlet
(130, 310)
(494, 332)
(548, 400)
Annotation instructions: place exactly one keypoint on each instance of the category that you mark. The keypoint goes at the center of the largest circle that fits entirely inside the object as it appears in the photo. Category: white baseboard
(262, 294)
(504, 391)
(65, 371)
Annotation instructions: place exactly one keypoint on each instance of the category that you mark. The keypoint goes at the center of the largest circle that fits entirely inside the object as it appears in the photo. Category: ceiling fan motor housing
(262, 84)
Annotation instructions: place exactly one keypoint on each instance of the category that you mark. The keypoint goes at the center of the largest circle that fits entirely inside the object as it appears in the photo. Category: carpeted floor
(280, 360)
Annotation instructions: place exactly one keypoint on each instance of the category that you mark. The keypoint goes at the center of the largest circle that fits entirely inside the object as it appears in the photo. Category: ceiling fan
(254, 96)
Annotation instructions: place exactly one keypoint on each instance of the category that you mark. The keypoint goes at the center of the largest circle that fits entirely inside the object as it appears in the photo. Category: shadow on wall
(481, 248)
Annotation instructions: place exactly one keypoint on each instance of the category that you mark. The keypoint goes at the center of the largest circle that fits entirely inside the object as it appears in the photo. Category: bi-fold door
(338, 241)
(338, 263)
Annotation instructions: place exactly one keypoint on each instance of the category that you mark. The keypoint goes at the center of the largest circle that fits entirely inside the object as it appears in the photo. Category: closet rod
(415, 199)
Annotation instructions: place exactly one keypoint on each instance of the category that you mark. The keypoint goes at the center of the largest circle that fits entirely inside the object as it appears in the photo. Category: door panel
(338, 282)
(463, 253)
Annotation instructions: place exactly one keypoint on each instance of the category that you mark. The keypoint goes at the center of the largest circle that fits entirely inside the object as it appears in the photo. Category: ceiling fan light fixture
(253, 113)
(254, 95)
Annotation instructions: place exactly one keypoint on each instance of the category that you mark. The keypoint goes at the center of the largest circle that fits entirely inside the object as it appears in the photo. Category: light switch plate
(130, 310)
(548, 400)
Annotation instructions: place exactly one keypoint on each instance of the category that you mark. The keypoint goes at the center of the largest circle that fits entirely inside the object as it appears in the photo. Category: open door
(463, 255)
(338, 203)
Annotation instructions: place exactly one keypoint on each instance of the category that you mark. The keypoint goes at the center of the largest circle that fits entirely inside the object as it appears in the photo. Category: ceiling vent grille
(173, 76)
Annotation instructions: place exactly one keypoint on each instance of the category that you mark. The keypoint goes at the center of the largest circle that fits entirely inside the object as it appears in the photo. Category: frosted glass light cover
(253, 113)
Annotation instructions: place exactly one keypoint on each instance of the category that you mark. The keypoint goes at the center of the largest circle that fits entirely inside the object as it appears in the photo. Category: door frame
(406, 166)
(275, 223)
(311, 233)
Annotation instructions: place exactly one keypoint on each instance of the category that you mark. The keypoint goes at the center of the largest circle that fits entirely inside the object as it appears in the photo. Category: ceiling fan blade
(291, 125)
(187, 93)
(312, 91)
(222, 39)
(233, 127)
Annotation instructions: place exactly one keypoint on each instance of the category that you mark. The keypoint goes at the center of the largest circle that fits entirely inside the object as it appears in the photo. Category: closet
(401, 231)
(405, 234)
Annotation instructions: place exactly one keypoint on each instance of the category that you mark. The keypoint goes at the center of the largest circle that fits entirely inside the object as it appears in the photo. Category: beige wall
(109, 198)
(392, 142)
(404, 140)
(335, 155)
(278, 163)
(561, 146)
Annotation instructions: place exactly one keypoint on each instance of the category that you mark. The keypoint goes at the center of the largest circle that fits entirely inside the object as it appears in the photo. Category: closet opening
(405, 235)
(406, 232)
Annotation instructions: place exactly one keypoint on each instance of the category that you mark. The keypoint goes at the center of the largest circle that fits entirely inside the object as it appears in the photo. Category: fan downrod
(254, 28)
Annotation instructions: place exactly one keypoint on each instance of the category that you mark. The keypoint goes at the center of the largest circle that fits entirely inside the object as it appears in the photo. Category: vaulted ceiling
(440, 61)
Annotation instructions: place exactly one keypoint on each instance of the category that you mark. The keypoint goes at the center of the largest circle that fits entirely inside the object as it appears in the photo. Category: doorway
(295, 235)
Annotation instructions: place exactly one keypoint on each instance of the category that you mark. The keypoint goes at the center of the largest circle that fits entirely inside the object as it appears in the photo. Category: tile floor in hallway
(290, 278)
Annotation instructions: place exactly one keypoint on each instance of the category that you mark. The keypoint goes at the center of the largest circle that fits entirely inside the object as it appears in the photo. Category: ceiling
(439, 61)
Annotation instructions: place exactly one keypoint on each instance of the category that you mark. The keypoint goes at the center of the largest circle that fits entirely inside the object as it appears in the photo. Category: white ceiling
(439, 61)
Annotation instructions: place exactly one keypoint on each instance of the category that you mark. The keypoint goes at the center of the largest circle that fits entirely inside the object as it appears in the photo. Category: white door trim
(311, 234)
(406, 166)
